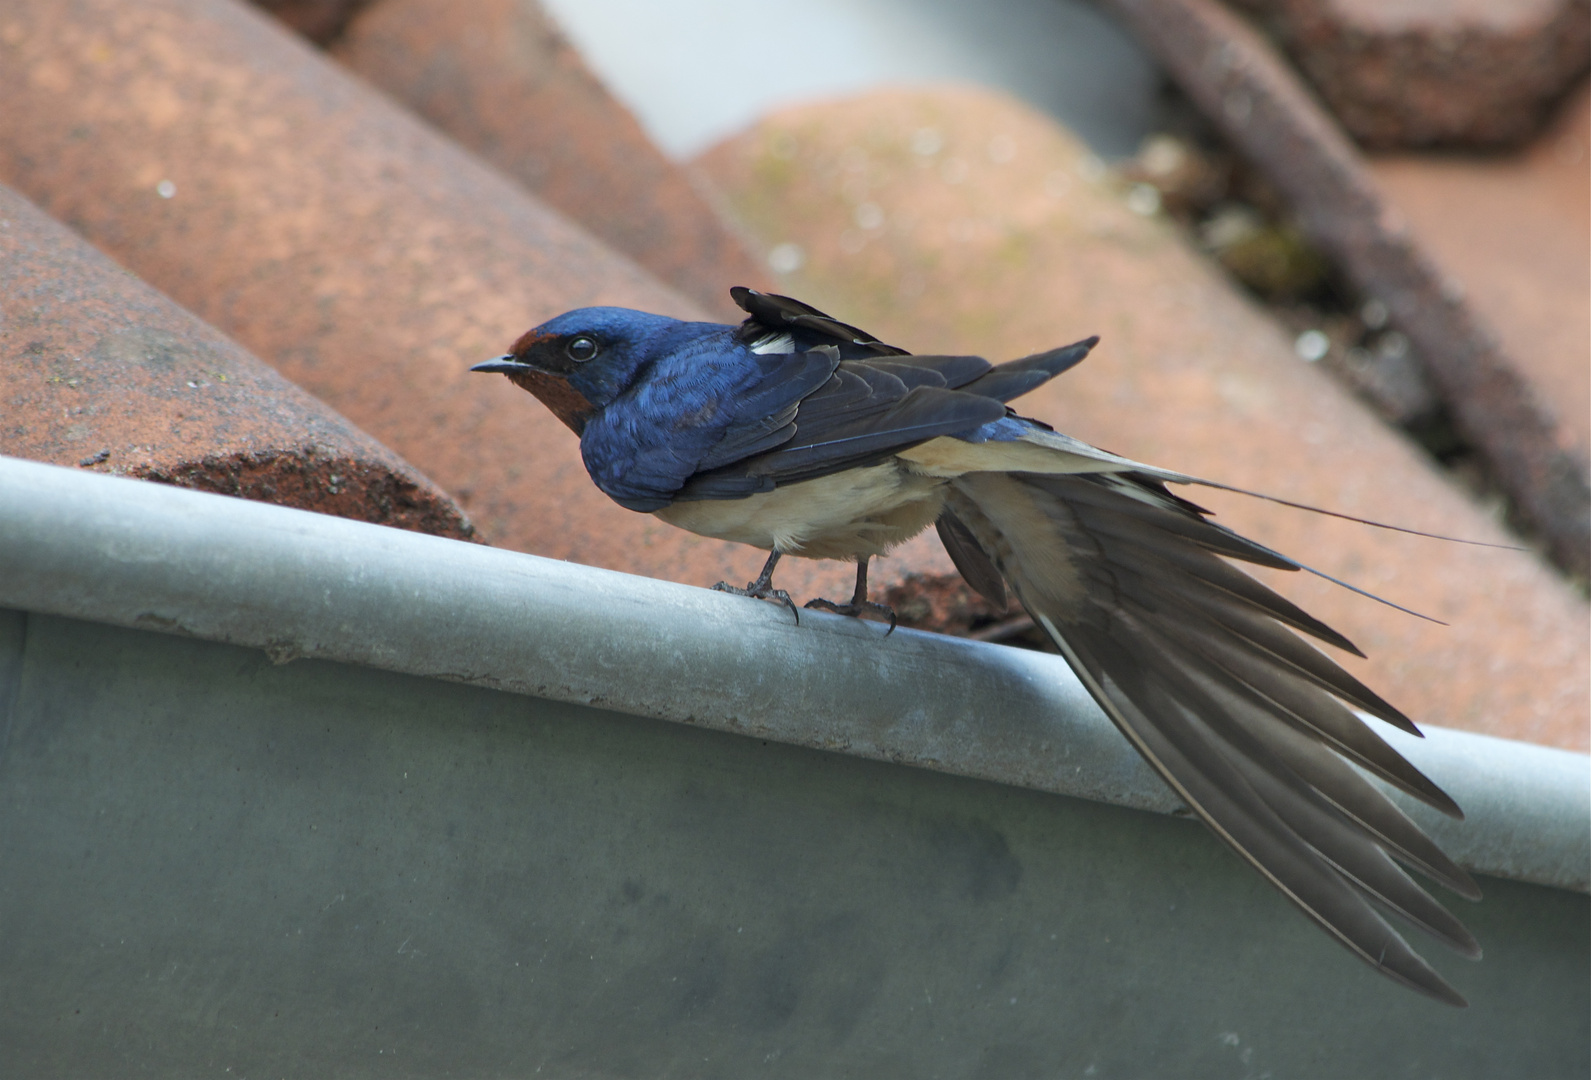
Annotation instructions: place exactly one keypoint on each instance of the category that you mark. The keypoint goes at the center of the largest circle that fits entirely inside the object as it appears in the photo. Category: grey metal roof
(296, 584)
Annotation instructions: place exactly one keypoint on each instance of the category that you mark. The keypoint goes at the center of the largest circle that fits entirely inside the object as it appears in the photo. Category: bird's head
(579, 362)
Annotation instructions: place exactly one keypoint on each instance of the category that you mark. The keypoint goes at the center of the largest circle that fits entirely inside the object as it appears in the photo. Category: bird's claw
(758, 591)
(855, 610)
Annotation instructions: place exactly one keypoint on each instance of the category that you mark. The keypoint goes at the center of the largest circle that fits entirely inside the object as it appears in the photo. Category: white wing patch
(774, 342)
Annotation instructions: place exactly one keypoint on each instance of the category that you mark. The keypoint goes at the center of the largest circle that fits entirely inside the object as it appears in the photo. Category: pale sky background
(697, 71)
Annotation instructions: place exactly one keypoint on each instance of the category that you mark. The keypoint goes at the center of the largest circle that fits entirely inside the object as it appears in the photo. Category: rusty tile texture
(1242, 85)
(1515, 233)
(319, 20)
(101, 371)
(961, 221)
(1476, 73)
(341, 240)
(499, 78)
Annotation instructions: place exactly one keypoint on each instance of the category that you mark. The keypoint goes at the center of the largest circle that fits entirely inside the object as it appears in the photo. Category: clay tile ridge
(100, 371)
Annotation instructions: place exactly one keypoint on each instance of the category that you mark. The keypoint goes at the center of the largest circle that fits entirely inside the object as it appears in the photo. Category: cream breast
(842, 516)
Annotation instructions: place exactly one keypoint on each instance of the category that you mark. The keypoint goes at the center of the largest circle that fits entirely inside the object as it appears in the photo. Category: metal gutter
(303, 585)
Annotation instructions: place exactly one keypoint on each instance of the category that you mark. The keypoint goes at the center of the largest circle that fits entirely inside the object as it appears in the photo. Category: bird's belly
(843, 516)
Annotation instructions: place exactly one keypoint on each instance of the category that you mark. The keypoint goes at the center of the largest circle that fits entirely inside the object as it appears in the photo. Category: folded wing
(879, 401)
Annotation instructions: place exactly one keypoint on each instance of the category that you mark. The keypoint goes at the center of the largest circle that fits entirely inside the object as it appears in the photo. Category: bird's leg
(859, 601)
(762, 588)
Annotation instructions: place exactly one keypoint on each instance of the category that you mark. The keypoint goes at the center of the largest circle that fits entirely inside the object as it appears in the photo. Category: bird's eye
(581, 349)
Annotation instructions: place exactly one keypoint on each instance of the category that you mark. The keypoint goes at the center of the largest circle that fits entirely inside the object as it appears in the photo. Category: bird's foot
(856, 610)
(778, 596)
(762, 588)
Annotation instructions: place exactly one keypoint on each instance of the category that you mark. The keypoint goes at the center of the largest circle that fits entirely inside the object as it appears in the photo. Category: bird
(801, 435)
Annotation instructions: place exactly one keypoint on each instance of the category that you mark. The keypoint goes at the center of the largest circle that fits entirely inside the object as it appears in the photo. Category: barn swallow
(798, 434)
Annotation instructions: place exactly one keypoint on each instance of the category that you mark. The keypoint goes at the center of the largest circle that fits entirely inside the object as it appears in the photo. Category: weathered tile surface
(99, 370)
(499, 78)
(961, 221)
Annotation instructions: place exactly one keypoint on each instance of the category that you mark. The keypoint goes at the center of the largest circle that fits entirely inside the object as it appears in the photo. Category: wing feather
(1011, 380)
(1307, 766)
(1197, 666)
(771, 314)
(863, 414)
(971, 560)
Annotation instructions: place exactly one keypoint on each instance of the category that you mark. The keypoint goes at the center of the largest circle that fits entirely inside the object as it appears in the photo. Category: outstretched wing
(1198, 665)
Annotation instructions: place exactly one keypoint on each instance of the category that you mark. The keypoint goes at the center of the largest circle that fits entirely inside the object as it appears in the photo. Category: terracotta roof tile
(99, 370)
(345, 242)
(498, 77)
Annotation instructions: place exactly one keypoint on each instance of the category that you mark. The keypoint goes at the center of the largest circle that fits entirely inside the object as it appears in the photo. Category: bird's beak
(505, 364)
(551, 389)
